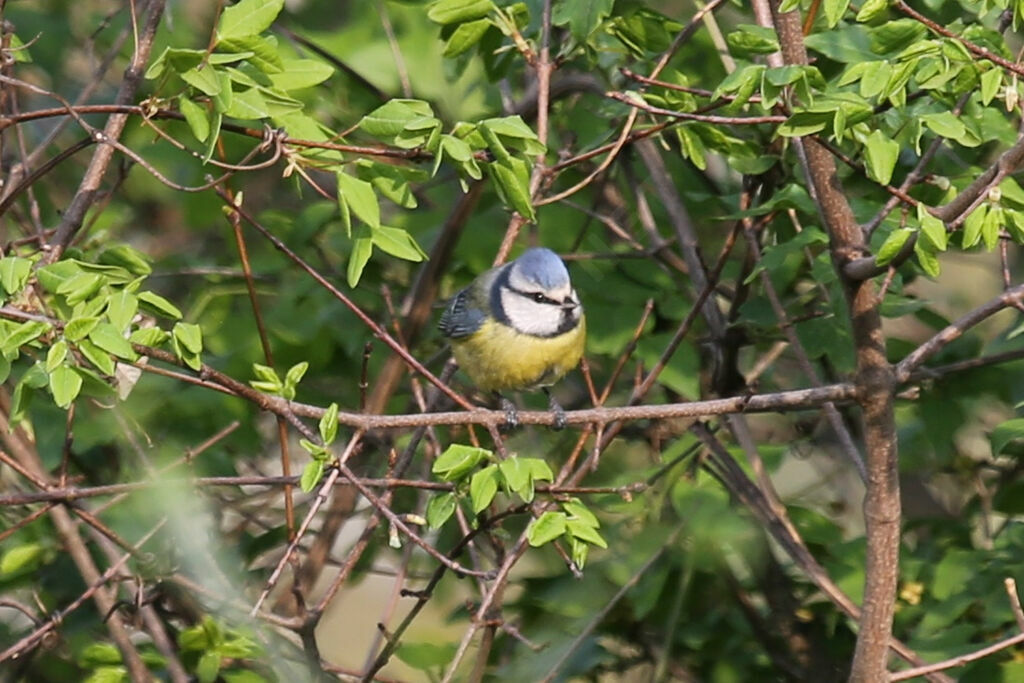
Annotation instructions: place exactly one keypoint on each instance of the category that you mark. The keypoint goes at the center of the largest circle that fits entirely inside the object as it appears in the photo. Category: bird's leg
(560, 420)
(511, 412)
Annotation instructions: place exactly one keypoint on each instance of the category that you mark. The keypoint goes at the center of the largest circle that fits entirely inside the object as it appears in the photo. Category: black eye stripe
(537, 297)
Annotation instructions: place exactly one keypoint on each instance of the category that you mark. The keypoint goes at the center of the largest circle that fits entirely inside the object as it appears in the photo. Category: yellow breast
(498, 358)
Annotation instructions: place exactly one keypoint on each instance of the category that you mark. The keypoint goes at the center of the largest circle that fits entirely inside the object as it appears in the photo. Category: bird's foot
(560, 421)
(511, 413)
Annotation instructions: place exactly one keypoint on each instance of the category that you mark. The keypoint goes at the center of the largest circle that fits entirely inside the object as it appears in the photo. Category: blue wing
(462, 318)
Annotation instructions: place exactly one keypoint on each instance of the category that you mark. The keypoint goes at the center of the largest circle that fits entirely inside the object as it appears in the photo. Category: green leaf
(100, 359)
(24, 333)
(482, 487)
(881, 154)
(359, 196)
(14, 273)
(459, 11)
(80, 287)
(973, 225)
(208, 666)
(927, 258)
(195, 117)
(21, 557)
(108, 338)
(990, 82)
(79, 328)
(125, 257)
(189, 335)
(329, 424)
(1008, 431)
(248, 104)
(388, 121)
(155, 303)
(204, 79)
(518, 476)
(425, 656)
(311, 475)
(301, 73)
(582, 16)
(458, 460)
(892, 245)
(247, 18)
(749, 39)
(56, 355)
(54, 275)
(945, 124)
(149, 336)
(585, 532)
(96, 654)
(362, 249)
(991, 225)
(465, 36)
(292, 378)
(121, 308)
(933, 228)
(314, 449)
(580, 512)
(546, 528)
(512, 180)
(398, 243)
(440, 508)
(64, 385)
(834, 11)
(871, 10)
(953, 572)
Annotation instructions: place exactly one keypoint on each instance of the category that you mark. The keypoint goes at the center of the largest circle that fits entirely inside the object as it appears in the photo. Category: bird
(519, 326)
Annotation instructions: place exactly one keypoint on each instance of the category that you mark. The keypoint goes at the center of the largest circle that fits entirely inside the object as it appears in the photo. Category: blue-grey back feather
(461, 318)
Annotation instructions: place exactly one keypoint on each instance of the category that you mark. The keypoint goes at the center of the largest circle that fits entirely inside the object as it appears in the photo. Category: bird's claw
(560, 421)
(511, 413)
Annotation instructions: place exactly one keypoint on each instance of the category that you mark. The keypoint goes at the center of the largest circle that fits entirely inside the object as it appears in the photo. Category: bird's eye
(540, 298)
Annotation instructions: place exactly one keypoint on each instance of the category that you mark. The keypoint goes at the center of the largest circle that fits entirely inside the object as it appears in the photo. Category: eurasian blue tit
(518, 326)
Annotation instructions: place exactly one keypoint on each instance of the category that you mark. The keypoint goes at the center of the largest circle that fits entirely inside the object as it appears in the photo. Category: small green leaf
(834, 11)
(23, 334)
(362, 249)
(149, 336)
(247, 18)
(121, 308)
(204, 79)
(315, 449)
(892, 245)
(459, 11)
(440, 508)
(933, 228)
(585, 532)
(195, 117)
(482, 487)
(301, 73)
(20, 558)
(159, 305)
(990, 82)
(973, 226)
(1006, 432)
(517, 477)
(311, 475)
(64, 385)
(546, 528)
(458, 460)
(576, 509)
(425, 656)
(80, 287)
(398, 243)
(359, 196)
(465, 36)
(208, 666)
(100, 359)
(96, 654)
(108, 338)
(14, 273)
(329, 424)
(871, 9)
(881, 154)
(56, 355)
(927, 258)
(512, 180)
(189, 335)
(991, 225)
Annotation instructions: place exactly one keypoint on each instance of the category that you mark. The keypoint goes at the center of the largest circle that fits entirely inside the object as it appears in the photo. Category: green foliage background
(695, 587)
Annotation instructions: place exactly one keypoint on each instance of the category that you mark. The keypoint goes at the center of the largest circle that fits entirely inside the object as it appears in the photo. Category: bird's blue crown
(542, 266)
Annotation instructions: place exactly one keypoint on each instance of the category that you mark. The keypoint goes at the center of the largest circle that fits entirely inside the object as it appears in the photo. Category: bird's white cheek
(530, 317)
